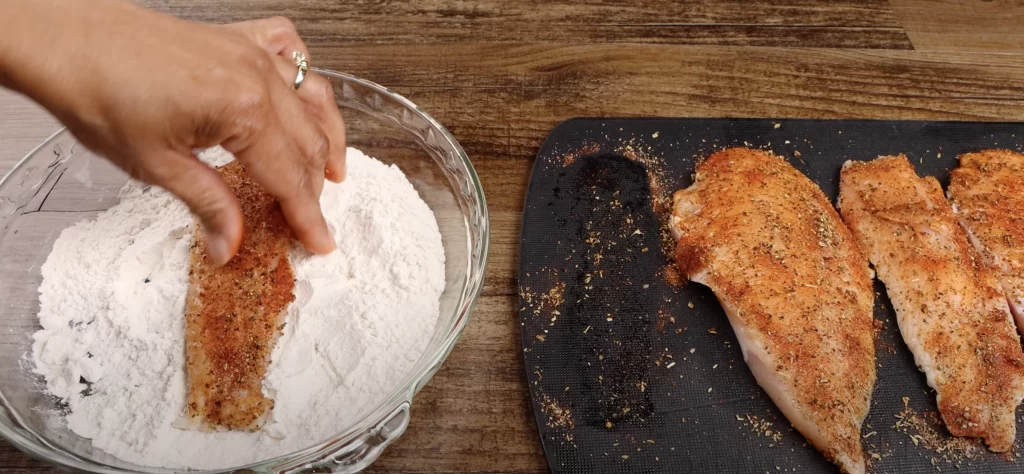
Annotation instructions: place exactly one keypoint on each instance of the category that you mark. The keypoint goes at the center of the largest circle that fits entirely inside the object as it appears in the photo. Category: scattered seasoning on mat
(559, 418)
(662, 185)
(875, 452)
(569, 158)
(761, 428)
(547, 302)
(924, 430)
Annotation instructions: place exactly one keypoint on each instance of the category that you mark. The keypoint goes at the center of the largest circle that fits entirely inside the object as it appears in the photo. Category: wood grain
(500, 75)
(839, 24)
(958, 25)
(500, 101)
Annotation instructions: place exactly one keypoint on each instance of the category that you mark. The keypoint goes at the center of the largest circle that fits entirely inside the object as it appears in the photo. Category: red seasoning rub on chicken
(234, 315)
(795, 286)
(949, 305)
(987, 191)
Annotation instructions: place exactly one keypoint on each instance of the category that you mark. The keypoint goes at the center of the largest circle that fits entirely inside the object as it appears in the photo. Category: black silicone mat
(630, 373)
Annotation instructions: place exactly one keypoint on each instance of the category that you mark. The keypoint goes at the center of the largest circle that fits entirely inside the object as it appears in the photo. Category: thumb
(208, 197)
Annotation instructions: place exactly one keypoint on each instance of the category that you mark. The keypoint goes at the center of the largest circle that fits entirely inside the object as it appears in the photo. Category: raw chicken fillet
(949, 306)
(234, 314)
(987, 191)
(795, 287)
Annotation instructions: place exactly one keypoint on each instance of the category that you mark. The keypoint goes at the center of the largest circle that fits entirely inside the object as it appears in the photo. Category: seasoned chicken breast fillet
(234, 314)
(795, 286)
(949, 306)
(987, 191)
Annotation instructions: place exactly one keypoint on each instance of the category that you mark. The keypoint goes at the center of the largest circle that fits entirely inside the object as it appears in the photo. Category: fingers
(317, 94)
(334, 126)
(299, 142)
(206, 195)
(286, 156)
(278, 36)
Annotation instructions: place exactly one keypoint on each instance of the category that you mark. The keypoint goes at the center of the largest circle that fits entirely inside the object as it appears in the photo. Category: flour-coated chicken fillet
(987, 191)
(794, 285)
(949, 305)
(234, 314)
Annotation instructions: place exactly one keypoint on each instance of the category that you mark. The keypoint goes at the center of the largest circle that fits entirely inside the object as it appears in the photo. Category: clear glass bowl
(60, 183)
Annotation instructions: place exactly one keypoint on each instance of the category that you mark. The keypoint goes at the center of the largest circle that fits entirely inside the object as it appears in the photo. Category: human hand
(145, 89)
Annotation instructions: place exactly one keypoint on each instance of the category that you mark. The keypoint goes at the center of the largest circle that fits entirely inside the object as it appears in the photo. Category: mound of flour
(112, 312)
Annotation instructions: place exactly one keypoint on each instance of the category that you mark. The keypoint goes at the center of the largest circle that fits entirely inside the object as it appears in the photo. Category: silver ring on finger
(303, 65)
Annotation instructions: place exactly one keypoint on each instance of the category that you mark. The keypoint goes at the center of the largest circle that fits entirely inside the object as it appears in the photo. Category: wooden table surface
(501, 74)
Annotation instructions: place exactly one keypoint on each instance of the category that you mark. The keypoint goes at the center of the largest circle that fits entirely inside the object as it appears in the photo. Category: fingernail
(335, 175)
(218, 246)
(326, 244)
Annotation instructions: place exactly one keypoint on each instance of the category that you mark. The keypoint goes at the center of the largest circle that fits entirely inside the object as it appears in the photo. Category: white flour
(112, 311)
